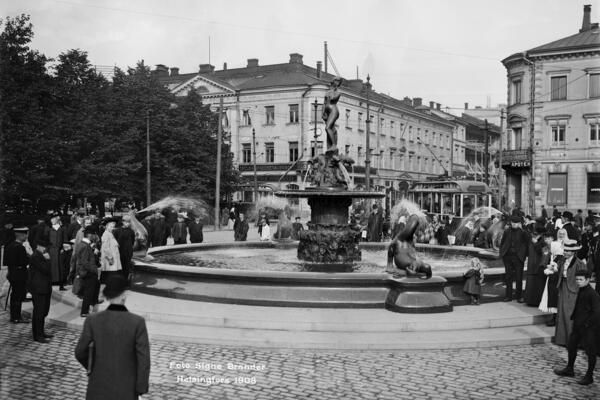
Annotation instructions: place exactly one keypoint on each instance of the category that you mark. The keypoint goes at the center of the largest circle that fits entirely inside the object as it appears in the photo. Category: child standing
(586, 327)
(474, 277)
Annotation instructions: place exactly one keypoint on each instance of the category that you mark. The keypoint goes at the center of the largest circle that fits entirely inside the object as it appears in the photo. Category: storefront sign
(520, 164)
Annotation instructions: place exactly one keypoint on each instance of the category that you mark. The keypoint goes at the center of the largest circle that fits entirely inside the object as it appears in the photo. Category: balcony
(516, 158)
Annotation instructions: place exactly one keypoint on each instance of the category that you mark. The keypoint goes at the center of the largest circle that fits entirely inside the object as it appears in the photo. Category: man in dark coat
(65, 262)
(75, 226)
(594, 258)
(158, 230)
(572, 231)
(179, 230)
(240, 228)
(87, 270)
(296, 228)
(555, 212)
(374, 225)
(40, 287)
(544, 213)
(578, 219)
(37, 232)
(536, 264)
(56, 236)
(126, 239)
(195, 229)
(119, 346)
(586, 328)
(16, 258)
(513, 250)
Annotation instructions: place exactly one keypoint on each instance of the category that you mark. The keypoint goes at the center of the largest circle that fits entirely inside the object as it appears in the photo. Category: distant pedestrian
(265, 233)
(552, 255)
(374, 225)
(578, 219)
(474, 280)
(296, 228)
(114, 348)
(572, 231)
(87, 270)
(513, 250)
(590, 220)
(555, 212)
(125, 236)
(567, 291)
(40, 287)
(594, 258)
(110, 259)
(536, 264)
(586, 328)
(16, 258)
(65, 262)
(179, 231)
(159, 231)
(544, 213)
(195, 229)
(240, 228)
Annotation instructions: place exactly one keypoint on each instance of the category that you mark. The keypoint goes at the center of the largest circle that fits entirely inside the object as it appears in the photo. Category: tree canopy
(65, 130)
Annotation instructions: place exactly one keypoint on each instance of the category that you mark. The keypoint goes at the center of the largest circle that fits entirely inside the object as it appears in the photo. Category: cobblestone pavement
(30, 370)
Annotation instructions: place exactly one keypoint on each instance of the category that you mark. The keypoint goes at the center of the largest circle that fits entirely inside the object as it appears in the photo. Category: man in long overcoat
(56, 235)
(40, 286)
(126, 240)
(567, 291)
(118, 340)
(16, 258)
(513, 250)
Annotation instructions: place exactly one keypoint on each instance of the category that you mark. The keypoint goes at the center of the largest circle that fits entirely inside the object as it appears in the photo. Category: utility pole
(254, 158)
(325, 56)
(218, 179)
(500, 177)
(485, 154)
(316, 104)
(368, 140)
(148, 197)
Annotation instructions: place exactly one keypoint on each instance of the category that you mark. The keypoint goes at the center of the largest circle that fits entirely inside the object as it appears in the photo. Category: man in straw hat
(513, 250)
(114, 348)
(567, 290)
(16, 258)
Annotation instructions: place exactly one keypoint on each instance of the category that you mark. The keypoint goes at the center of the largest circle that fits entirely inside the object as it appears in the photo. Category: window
(593, 188)
(381, 126)
(594, 85)
(595, 134)
(246, 118)
(360, 121)
(293, 113)
(393, 158)
(410, 134)
(410, 163)
(516, 92)
(382, 159)
(270, 115)
(558, 133)
(347, 150)
(347, 118)
(293, 151)
(246, 153)
(270, 152)
(319, 148)
(392, 128)
(557, 189)
(515, 139)
(359, 152)
(558, 87)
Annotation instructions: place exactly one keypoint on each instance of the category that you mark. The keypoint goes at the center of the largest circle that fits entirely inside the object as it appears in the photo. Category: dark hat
(540, 229)
(69, 242)
(583, 272)
(115, 285)
(515, 219)
(22, 229)
(111, 219)
(89, 230)
(567, 214)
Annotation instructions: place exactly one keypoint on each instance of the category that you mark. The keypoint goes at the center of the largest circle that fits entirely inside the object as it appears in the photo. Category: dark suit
(17, 259)
(87, 269)
(126, 239)
(196, 235)
(40, 286)
(586, 326)
(513, 250)
(572, 231)
(121, 363)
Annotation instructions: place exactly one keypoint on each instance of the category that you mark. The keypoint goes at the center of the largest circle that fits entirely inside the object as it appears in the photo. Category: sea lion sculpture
(403, 254)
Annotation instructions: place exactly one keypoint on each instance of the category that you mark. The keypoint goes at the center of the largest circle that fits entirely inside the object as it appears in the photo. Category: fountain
(328, 269)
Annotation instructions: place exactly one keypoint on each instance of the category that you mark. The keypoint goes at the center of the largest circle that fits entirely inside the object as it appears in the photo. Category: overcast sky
(441, 50)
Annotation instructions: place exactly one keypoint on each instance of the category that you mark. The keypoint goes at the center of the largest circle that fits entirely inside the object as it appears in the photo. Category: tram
(458, 197)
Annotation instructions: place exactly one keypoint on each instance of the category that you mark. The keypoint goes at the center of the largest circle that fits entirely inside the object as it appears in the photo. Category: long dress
(567, 295)
(536, 262)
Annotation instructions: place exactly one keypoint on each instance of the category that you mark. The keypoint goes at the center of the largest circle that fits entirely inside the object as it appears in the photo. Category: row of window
(385, 127)
(558, 133)
(558, 88)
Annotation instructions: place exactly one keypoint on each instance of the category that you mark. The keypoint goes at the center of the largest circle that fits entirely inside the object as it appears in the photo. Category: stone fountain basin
(312, 289)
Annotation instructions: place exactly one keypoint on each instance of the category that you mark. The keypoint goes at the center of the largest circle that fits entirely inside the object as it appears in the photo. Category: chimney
(586, 25)
(224, 66)
(174, 71)
(438, 106)
(319, 64)
(466, 106)
(252, 63)
(406, 100)
(295, 58)
(417, 101)
(431, 103)
(162, 70)
(206, 68)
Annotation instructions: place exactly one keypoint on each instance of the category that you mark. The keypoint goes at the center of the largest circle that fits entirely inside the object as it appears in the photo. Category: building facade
(552, 151)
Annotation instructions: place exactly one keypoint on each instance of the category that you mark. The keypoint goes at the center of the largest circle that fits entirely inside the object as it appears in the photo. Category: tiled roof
(479, 123)
(582, 40)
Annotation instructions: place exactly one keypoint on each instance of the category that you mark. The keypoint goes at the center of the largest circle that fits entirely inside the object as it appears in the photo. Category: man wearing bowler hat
(513, 250)
(572, 231)
(40, 286)
(16, 258)
(114, 348)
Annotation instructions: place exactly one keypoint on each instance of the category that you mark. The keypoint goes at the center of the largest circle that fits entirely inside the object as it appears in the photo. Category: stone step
(65, 307)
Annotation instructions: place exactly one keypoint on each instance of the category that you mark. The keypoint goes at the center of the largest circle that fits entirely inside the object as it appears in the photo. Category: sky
(444, 51)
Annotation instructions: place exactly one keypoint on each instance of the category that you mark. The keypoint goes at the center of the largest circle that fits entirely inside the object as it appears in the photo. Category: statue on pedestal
(402, 254)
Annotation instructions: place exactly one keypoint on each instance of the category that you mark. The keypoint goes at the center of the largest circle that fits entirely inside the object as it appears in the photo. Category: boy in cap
(586, 328)
(513, 250)
(40, 286)
(16, 258)
(120, 364)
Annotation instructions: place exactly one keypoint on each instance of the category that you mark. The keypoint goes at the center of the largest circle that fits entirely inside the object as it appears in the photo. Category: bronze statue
(331, 113)
(403, 254)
